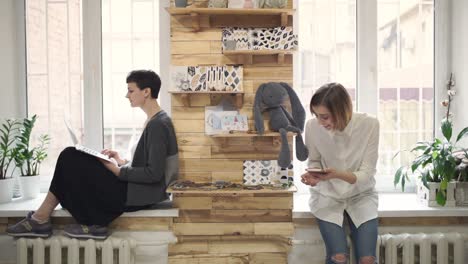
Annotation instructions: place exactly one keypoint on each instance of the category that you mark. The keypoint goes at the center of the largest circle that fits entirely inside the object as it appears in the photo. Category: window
(402, 94)
(130, 41)
(61, 65)
(54, 73)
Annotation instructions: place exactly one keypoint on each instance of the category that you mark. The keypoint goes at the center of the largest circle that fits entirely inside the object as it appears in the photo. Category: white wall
(12, 62)
(459, 49)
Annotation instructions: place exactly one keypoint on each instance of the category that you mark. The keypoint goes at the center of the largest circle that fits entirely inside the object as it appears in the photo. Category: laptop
(82, 148)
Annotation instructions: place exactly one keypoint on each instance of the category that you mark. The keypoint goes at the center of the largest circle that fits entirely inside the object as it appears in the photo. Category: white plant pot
(427, 196)
(6, 190)
(461, 194)
(30, 186)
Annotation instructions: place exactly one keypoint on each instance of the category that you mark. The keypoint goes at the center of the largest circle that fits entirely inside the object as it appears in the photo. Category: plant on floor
(435, 161)
(28, 159)
(8, 131)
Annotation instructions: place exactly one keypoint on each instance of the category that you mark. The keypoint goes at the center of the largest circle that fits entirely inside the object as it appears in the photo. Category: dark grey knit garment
(155, 163)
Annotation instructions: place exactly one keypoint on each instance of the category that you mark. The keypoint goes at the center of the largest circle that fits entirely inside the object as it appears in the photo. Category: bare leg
(47, 207)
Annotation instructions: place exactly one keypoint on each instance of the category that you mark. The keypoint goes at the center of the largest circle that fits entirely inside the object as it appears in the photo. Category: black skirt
(87, 189)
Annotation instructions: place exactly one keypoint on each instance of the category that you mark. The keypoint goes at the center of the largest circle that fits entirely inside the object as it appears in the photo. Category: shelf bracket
(239, 100)
(284, 19)
(195, 21)
(185, 99)
(275, 141)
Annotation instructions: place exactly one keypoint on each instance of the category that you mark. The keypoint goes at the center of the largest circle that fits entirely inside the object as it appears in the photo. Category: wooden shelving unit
(195, 13)
(185, 96)
(249, 54)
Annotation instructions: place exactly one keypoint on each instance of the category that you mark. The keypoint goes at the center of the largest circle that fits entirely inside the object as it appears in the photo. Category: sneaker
(84, 231)
(29, 227)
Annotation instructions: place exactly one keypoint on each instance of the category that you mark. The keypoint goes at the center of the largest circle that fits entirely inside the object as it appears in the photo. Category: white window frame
(367, 64)
(92, 69)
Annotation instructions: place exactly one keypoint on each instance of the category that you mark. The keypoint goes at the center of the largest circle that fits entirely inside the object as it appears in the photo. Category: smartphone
(315, 170)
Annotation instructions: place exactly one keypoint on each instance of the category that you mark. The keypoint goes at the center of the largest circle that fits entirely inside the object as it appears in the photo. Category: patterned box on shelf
(279, 38)
(275, 3)
(461, 194)
(427, 196)
(233, 78)
(207, 78)
(241, 37)
(262, 38)
(284, 38)
(266, 172)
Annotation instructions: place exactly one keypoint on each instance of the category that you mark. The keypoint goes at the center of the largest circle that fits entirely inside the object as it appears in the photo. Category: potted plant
(435, 162)
(461, 192)
(8, 130)
(28, 159)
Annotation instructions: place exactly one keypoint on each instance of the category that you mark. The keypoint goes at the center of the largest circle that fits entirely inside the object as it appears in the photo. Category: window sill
(20, 207)
(390, 205)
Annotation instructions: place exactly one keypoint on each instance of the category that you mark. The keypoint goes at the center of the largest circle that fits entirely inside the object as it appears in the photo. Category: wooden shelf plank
(230, 11)
(266, 189)
(251, 134)
(258, 52)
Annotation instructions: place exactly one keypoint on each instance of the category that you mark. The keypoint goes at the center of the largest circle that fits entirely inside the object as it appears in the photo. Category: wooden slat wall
(200, 153)
(247, 228)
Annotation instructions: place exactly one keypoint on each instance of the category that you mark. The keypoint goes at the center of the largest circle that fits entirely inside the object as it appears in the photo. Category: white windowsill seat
(20, 207)
(390, 205)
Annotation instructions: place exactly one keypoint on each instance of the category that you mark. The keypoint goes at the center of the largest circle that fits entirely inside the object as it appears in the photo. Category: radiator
(436, 248)
(60, 249)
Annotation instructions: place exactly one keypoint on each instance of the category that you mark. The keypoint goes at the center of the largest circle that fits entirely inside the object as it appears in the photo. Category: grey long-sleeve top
(155, 163)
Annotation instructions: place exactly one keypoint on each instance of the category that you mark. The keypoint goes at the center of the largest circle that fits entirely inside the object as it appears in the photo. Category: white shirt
(355, 149)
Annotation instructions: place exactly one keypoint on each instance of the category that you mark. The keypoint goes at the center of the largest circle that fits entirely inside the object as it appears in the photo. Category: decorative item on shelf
(217, 3)
(435, 161)
(258, 3)
(241, 37)
(180, 3)
(257, 172)
(227, 39)
(223, 120)
(207, 78)
(28, 159)
(233, 78)
(275, 4)
(270, 97)
(8, 131)
(284, 38)
(262, 38)
(236, 3)
(278, 38)
(197, 78)
(215, 78)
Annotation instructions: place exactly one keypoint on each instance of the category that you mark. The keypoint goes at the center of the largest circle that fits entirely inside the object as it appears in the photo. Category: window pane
(327, 51)
(130, 41)
(405, 81)
(53, 41)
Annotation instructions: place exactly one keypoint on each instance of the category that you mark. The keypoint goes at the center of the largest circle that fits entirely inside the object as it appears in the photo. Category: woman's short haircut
(336, 99)
(146, 79)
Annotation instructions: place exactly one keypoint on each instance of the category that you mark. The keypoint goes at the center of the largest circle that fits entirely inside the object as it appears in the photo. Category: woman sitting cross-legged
(95, 191)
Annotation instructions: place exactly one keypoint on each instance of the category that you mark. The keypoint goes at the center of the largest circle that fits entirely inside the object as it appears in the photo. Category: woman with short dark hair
(343, 151)
(95, 191)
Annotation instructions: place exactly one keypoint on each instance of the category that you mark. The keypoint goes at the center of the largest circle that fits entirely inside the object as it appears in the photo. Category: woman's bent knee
(339, 258)
(367, 260)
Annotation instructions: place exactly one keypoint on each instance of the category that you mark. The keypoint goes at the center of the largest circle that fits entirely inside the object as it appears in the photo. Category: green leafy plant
(8, 131)
(435, 161)
(28, 159)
